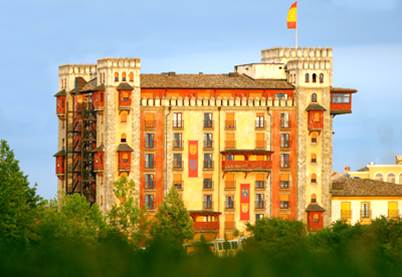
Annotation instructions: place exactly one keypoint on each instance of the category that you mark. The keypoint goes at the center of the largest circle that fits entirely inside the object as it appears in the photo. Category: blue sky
(192, 36)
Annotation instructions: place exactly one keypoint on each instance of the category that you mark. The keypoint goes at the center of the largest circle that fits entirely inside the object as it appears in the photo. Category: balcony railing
(207, 205)
(208, 165)
(230, 144)
(230, 125)
(206, 226)
(260, 144)
(177, 144)
(177, 124)
(208, 144)
(230, 165)
(208, 124)
(229, 185)
(177, 165)
(260, 204)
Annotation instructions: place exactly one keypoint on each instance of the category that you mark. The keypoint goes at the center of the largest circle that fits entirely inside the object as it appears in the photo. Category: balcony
(177, 124)
(177, 144)
(341, 100)
(205, 221)
(236, 166)
(230, 185)
(208, 165)
(260, 205)
(208, 145)
(230, 125)
(177, 165)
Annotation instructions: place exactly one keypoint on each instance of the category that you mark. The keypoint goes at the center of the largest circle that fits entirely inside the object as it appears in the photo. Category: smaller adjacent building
(356, 200)
(391, 173)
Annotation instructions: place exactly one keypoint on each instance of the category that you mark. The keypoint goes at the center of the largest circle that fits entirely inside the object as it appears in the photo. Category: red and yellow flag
(292, 16)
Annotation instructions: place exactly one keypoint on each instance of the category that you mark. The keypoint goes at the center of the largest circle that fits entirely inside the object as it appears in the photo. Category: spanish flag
(292, 16)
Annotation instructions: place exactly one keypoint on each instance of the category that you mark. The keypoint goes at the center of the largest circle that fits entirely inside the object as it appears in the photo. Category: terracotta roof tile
(315, 107)
(124, 147)
(205, 81)
(124, 86)
(346, 186)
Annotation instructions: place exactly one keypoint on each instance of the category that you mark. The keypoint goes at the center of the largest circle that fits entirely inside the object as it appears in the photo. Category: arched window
(379, 177)
(391, 178)
(314, 97)
(321, 78)
(314, 78)
(116, 76)
(131, 76)
(123, 116)
(400, 179)
(313, 178)
(313, 198)
(313, 158)
(307, 78)
(124, 77)
(123, 138)
(314, 137)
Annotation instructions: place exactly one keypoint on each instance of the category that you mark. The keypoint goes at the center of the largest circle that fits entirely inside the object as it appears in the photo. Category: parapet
(134, 63)
(77, 69)
(283, 55)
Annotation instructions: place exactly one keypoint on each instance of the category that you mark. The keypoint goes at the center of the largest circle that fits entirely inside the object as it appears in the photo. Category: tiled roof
(315, 107)
(124, 147)
(343, 90)
(222, 81)
(124, 86)
(314, 207)
(345, 186)
(90, 86)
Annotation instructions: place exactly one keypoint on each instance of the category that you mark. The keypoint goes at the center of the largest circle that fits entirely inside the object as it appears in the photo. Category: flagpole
(297, 26)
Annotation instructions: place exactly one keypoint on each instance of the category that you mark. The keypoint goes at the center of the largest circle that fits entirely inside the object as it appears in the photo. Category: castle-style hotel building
(253, 143)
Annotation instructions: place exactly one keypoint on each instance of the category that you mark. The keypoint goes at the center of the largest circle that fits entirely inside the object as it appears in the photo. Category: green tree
(173, 223)
(18, 201)
(126, 217)
(76, 219)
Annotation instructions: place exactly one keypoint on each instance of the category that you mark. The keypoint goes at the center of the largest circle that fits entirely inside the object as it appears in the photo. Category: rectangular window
(177, 161)
(259, 201)
(208, 162)
(230, 122)
(284, 181)
(229, 202)
(177, 120)
(207, 184)
(149, 202)
(207, 203)
(260, 140)
(177, 140)
(285, 160)
(284, 140)
(285, 120)
(259, 216)
(284, 204)
(346, 212)
(393, 211)
(208, 120)
(149, 161)
(207, 140)
(177, 181)
(260, 121)
(259, 184)
(149, 181)
(365, 210)
(149, 140)
(340, 98)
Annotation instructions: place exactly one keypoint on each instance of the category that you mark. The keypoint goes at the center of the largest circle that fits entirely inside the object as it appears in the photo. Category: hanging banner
(245, 202)
(193, 158)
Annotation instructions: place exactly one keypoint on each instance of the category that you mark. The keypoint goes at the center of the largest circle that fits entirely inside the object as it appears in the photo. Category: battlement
(134, 63)
(309, 64)
(283, 55)
(77, 69)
